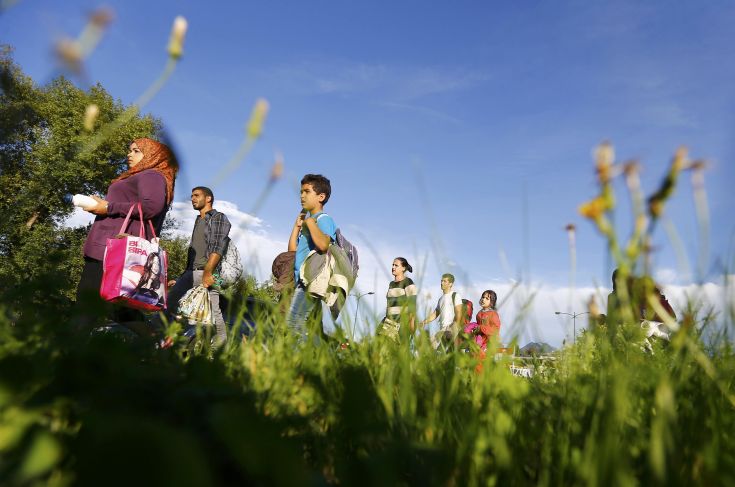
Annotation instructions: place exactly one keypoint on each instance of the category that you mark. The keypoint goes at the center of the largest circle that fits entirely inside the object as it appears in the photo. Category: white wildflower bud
(605, 154)
(178, 32)
(90, 116)
(604, 157)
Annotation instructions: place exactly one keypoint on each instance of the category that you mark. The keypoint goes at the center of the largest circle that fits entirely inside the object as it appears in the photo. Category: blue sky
(452, 115)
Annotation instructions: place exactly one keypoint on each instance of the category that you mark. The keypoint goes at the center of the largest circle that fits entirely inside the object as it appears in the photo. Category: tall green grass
(273, 411)
(76, 410)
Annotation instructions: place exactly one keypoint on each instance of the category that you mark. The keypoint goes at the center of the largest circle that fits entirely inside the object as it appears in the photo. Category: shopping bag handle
(140, 213)
(153, 230)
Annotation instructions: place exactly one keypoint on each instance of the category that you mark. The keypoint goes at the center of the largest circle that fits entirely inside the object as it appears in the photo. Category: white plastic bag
(196, 307)
(230, 268)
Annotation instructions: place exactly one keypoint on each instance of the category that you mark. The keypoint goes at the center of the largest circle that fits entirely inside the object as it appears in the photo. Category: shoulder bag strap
(140, 214)
(127, 219)
(142, 224)
(331, 240)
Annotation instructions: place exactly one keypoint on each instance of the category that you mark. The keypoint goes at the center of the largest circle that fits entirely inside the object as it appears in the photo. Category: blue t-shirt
(305, 244)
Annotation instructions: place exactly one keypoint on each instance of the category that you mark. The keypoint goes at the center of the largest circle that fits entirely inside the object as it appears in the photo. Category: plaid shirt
(216, 234)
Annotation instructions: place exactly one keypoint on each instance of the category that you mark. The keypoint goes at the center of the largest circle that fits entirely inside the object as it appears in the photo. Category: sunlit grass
(603, 411)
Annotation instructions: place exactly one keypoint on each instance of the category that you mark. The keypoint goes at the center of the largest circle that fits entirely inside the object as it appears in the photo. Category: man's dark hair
(205, 190)
(320, 184)
(448, 276)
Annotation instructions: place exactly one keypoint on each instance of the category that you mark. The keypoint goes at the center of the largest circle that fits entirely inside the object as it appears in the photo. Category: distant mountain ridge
(536, 348)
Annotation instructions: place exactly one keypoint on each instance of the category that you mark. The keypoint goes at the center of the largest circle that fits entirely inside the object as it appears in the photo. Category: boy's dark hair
(205, 190)
(320, 184)
(493, 297)
(404, 263)
(448, 276)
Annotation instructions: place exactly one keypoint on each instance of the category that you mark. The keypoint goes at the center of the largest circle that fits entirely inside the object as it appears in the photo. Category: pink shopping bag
(134, 269)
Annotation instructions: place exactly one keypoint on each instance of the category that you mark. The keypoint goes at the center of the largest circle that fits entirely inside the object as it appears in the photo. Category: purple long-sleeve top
(147, 187)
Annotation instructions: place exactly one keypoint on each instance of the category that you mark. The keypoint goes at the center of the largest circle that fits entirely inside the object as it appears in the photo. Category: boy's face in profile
(310, 200)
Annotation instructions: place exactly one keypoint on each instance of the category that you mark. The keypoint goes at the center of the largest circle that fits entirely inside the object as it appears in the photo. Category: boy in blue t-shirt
(309, 233)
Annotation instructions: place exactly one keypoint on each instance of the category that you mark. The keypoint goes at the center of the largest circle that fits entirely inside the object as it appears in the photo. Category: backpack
(466, 309)
(230, 266)
(282, 269)
(349, 249)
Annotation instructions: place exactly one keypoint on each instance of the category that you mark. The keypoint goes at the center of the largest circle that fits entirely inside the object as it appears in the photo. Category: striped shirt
(401, 299)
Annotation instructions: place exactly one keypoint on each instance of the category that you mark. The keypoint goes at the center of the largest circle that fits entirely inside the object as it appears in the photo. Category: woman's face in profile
(397, 268)
(134, 156)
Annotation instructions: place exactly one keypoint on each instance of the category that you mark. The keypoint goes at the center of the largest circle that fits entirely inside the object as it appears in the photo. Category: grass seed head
(254, 127)
(101, 17)
(604, 158)
(69, 52)
(91, 113)
(277, 169)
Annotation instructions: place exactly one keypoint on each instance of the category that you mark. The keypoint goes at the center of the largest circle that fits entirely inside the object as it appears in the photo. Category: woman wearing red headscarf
(149, 181)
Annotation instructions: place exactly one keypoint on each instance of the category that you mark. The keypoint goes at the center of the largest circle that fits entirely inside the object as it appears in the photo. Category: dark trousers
(183, 283)
(91, 309)
(186, 281)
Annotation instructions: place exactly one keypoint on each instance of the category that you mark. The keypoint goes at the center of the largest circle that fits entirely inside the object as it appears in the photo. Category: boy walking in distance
(313, 230)
(449, 312)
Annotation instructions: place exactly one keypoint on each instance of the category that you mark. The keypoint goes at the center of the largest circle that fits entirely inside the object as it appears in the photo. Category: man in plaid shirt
(209, 241)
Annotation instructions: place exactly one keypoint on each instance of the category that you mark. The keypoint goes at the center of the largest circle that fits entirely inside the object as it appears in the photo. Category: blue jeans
(302, 307)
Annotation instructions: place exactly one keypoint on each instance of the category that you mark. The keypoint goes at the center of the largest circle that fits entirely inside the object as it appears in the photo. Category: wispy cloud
(385, 82)
(424, 111)
(667, 113)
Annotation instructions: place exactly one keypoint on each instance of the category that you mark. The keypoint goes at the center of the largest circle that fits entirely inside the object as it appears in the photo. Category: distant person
(487, 321)
(637, 290)
(449, 311)
(149, 180)
(209, 241)
(313, 230)
(401, 306)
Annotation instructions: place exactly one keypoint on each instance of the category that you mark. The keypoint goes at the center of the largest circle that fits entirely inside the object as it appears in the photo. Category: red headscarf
(156, 156)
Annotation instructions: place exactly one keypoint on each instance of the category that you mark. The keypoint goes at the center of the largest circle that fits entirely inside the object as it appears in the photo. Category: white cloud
(527, 312)
(666, 275)
(257, 246)
(79, 218)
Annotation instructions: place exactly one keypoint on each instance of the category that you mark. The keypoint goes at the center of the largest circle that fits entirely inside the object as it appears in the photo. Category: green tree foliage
(176, 246)
(42, 135)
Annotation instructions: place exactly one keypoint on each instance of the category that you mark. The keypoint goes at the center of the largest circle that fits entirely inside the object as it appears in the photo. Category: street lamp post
(574, 321)
(357, 310)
